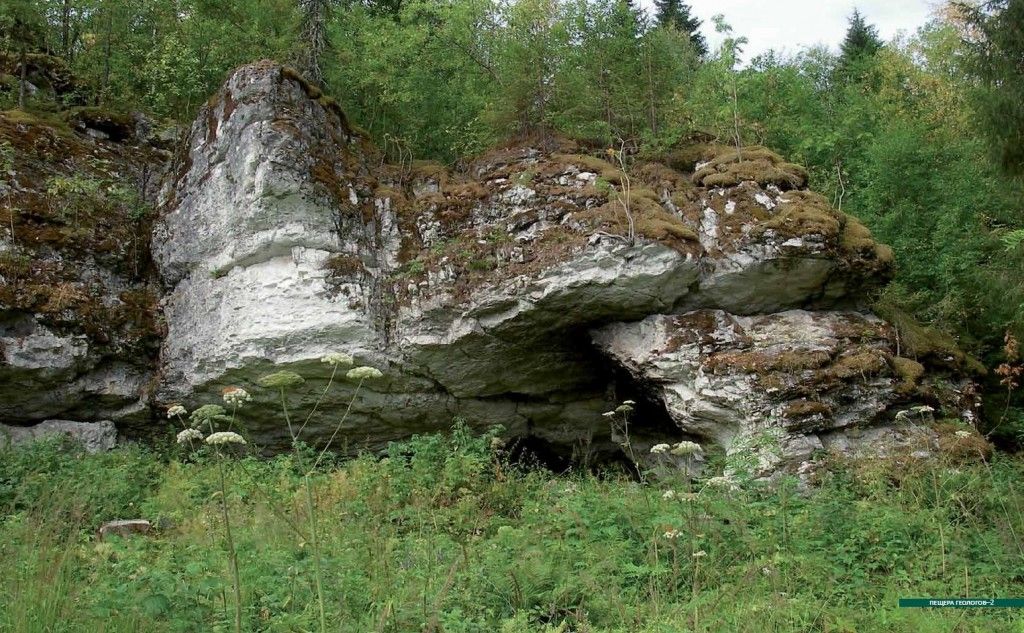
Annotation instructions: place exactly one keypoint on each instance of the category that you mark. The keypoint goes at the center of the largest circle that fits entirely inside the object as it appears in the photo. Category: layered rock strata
(536, 288)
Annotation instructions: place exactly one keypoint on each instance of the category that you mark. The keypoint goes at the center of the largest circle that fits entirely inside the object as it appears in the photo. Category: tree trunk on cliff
(313, 40)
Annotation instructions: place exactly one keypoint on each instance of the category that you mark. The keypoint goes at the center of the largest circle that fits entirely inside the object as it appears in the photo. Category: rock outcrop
(534, 289)
(78, 326)
(537, 287)
(95, 437)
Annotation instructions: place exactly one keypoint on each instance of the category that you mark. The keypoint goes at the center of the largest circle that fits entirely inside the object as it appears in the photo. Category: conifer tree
(861, 39)
(676, 14)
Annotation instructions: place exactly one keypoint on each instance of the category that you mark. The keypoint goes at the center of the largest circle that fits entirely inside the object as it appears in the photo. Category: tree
(861, 40)
(22, 26)
(676, 14)
(998, 46)
(313, 41)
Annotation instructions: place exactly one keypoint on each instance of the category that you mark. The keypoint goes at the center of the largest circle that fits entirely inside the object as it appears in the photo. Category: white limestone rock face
(284, 236)
(772, 390)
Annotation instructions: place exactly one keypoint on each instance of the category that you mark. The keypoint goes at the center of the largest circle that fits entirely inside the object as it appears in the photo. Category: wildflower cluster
(337, 358)
(679, 449)
(623, 409)
(224, 437)
(176, 410)
(281, 380)
(671, 495)
(209, 414)
(364, 373)
(235, 396)
(189, 435)
(721, 482)
(923, 411)
(685, 448)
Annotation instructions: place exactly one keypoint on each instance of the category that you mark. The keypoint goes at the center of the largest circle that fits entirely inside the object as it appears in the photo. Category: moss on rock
(729, 167)
(804, 213)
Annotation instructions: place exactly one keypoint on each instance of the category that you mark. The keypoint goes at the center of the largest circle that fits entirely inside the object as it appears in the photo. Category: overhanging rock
(284, 236)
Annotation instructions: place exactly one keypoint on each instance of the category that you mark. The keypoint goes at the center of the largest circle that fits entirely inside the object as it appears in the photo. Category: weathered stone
(95, 437)
(78, 329)
(124, 528)
(770, 390)
(284, 237)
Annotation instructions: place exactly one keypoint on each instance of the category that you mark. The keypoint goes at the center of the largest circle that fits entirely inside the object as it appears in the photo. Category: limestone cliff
(536, 288)
(521, 291)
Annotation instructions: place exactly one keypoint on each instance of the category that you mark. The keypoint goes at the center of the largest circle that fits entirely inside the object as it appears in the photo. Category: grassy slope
(444, 535)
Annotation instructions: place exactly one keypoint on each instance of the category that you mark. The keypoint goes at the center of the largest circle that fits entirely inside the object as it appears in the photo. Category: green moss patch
(730, 167)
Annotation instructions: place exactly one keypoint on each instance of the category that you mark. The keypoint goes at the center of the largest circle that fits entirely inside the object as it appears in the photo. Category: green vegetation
(443, 533)
(918, 138)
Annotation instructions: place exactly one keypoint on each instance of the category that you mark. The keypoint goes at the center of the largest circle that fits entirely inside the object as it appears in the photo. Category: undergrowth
(444, 534)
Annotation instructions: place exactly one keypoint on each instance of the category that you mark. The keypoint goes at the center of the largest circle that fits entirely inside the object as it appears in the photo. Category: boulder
(124, 528)
(772, 391)
(535, 288)
(95, 437)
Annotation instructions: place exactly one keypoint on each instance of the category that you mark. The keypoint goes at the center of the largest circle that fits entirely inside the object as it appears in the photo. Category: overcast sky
(794, 24)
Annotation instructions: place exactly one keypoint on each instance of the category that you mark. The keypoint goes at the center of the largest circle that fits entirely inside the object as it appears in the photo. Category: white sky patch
(792, 25)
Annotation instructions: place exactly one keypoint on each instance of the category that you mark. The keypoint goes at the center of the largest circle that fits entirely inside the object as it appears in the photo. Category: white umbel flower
(631, 403)
(363, 373)
(608, 414)
(189, 435)
(235, 396)
(673, 534)
(700, 554)
(685, 448)
(964, 434)
(668, 495)
(659, 449)
(224, 437)
(176, 410)
(337, 358)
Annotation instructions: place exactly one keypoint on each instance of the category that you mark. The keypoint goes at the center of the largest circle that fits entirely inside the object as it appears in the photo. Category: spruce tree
(676, 14)
(861, 39)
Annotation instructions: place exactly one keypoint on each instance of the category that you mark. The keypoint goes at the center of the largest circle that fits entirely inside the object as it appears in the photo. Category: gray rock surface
(734, 310)
(78, 332)
(124, 528)
(95, 437)
(772, 391)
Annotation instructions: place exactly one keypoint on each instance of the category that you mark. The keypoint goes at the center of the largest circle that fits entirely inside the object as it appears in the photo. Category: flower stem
(232, 555)
(311, 509)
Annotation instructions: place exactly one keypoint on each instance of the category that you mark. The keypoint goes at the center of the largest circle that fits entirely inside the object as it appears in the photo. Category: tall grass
(444, 534)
